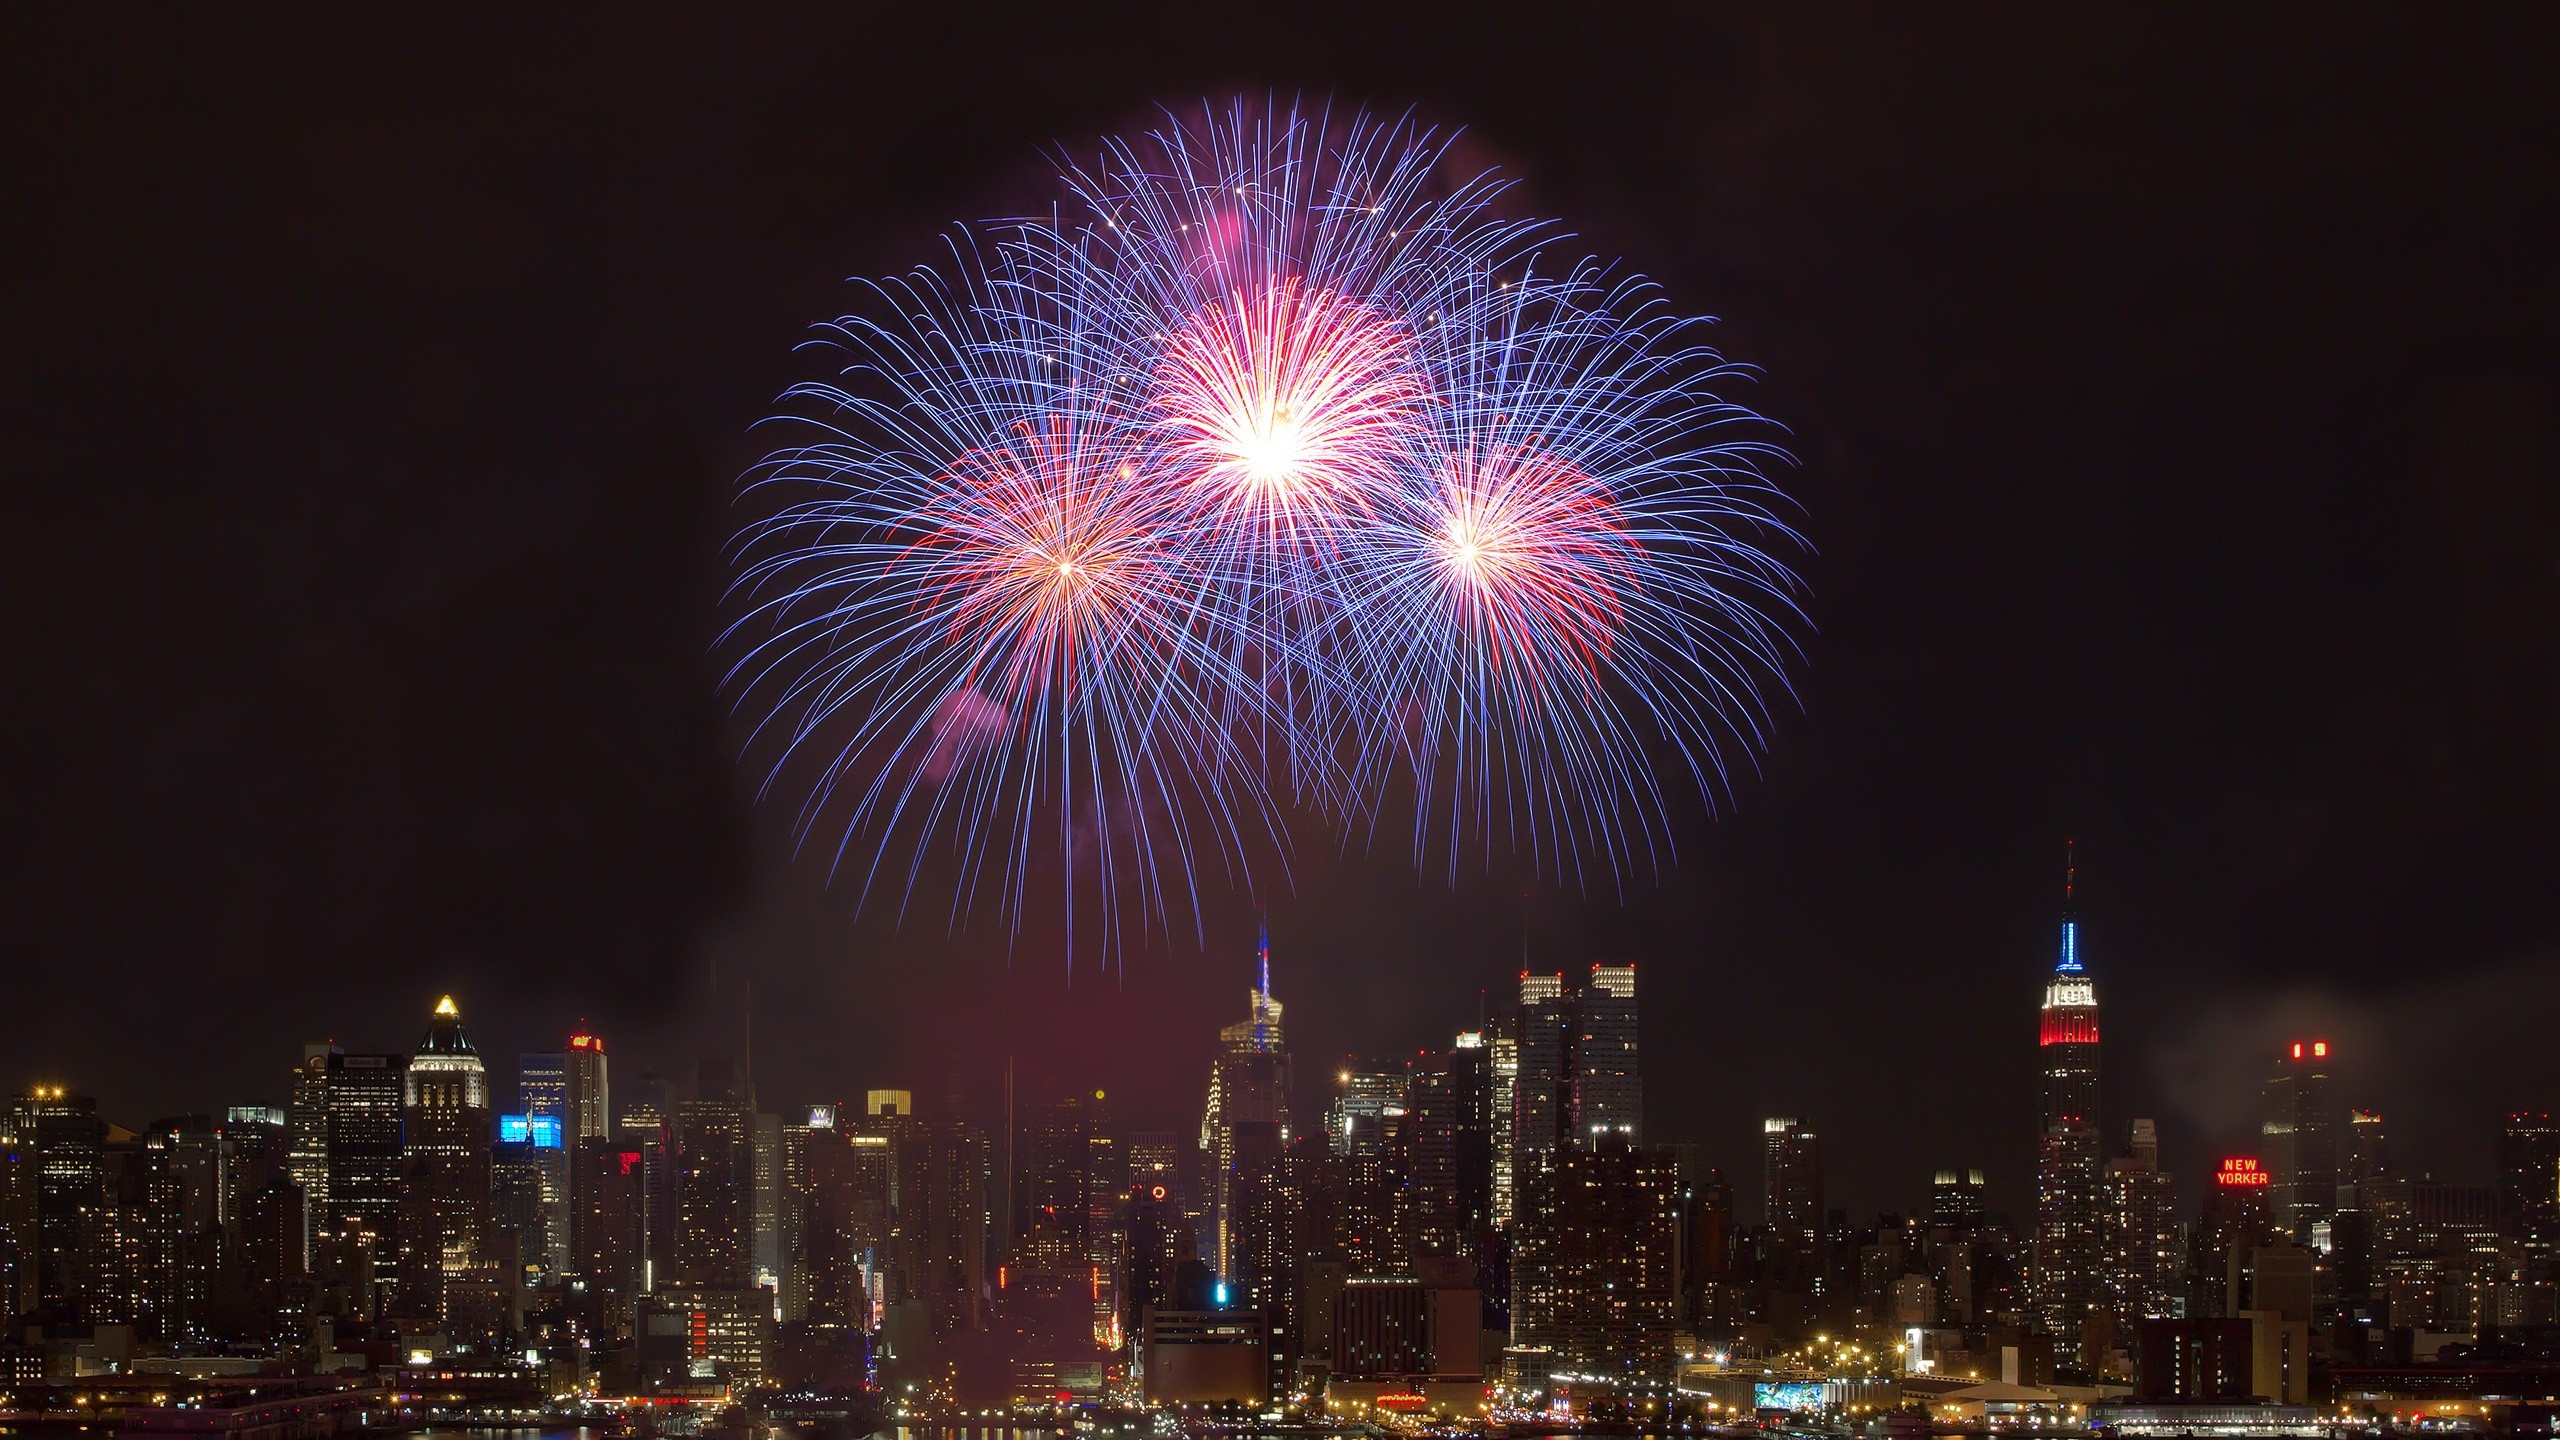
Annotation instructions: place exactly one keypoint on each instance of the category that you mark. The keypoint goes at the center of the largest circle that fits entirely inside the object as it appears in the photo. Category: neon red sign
(2242, 1173)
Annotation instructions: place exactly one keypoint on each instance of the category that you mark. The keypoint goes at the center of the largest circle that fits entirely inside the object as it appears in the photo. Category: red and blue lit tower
(2070, 1168)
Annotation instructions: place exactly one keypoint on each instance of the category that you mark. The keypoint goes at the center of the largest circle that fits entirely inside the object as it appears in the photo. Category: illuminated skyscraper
(1608, 1090)
(307, 1124)
(1791, 1184)
(1363, 1091)
(1502, 1049)
(2070, 1199)
(1595, 1273)
(542, 1093)
(2144, 1244)
(1248, 1084)
(1956, 1199)
(366, 1161)
(68, 1141)
(445, 1222)
(1542, 1085)
(589, 1101)
(2298, 1141)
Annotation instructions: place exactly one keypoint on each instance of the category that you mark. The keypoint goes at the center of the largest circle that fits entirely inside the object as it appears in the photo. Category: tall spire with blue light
(1262, 951)
(2070, 1170)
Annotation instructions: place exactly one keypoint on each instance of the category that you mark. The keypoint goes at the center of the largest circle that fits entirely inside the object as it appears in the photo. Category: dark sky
(2178, 403)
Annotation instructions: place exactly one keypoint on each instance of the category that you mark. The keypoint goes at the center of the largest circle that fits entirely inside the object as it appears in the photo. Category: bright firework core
(1272, 458)
(1288, 397)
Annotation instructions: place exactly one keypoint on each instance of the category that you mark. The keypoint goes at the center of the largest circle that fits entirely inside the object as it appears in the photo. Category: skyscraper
(2529, 1177)
(2145, 1249)
(1595, 1276)
(2298, 1141)
(605, 1230)
(715, 1181)
(1502, 1050)
(1542, 1087)
(589, 1113)
(542, 1093)
(1052, 1196)
(2069, 1169)
(366, 1163)
(69, 1143)
(1608, 1090)
(1791, 1185)
(445, 1223)
(1956, 1199)
(307, 1125)
(1249, 1083)
(939, 1170)
(1363, 1091)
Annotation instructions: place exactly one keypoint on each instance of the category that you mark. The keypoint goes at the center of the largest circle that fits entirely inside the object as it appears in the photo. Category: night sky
(2177, 402)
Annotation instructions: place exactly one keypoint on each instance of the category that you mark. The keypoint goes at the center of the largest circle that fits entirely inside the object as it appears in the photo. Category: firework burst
(1270, 463)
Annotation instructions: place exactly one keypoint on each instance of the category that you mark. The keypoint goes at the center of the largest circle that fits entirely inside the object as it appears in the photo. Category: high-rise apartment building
(1449, 1099)
(2070, 1172)
(767, 1262)
(2298, 1141)
(1249, 1083)
(543, 1087)
(1595, 1271)
(2145, 1252)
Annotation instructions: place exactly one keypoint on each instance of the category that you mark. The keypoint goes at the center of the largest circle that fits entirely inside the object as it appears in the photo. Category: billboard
(1789, 1395)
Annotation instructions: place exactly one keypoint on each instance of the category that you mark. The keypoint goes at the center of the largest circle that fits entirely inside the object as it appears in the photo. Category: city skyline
(1730, 1145)
(1484, 1223)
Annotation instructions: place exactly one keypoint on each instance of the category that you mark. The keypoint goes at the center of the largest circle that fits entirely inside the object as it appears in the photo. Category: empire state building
(2069, 1167)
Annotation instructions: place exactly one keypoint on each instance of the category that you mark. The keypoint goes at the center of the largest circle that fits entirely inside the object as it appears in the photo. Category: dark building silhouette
(67, 1142)
(605, 1243)
(715, 1181)
(2529, 1177)
(2298, 1141)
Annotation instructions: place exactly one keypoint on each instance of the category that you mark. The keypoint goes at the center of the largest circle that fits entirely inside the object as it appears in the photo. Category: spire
(1262, 950)
(2069, 964)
